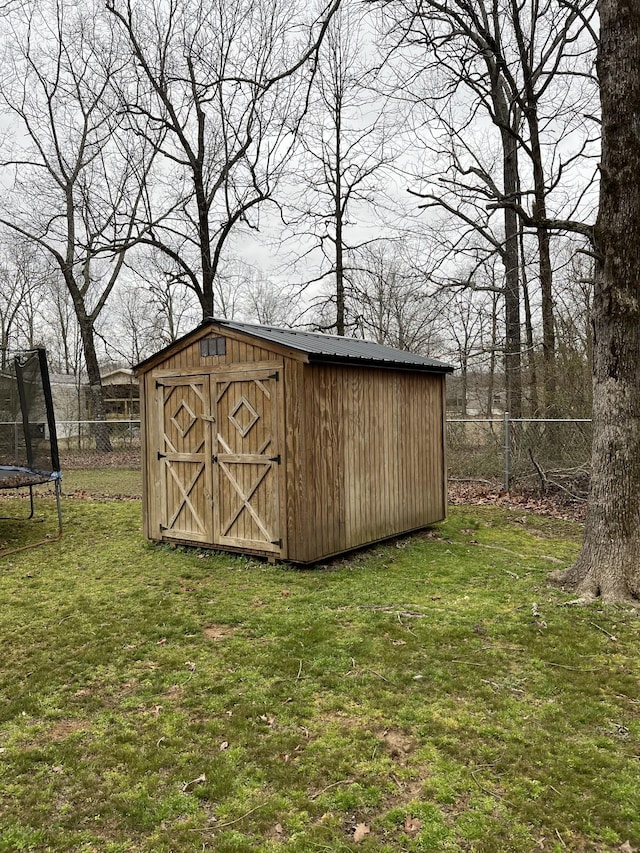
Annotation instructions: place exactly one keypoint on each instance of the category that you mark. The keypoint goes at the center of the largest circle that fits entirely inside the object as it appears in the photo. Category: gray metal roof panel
(334, 348)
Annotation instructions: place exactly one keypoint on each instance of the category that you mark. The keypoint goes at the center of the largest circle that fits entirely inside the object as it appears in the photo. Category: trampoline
(28, 442)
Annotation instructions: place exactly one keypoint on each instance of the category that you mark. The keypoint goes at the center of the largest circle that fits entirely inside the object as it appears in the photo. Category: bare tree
(170, 308)
(347, 144)
(60, 328)
(22, 275)
(526, 68)
(574, 334)
(473, 337)
(75, 181)
(270, 303)
(225, 84)
(394, 302)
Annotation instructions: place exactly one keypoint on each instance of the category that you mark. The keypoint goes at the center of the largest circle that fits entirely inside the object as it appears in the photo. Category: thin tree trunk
(492, 357)
(534, 403)
(464, 383)
(546, 276)
(513, 345)
(530, 111)
(340, 299)
(103, 440)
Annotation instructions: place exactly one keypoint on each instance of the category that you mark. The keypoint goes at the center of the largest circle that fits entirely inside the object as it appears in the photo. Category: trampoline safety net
(28, 442)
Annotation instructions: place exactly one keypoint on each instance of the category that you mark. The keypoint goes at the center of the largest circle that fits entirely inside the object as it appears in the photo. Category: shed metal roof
(324, 348)
(334, 348)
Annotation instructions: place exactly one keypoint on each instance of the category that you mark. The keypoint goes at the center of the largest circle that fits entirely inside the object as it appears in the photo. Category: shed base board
(271, 557)
(400, 535)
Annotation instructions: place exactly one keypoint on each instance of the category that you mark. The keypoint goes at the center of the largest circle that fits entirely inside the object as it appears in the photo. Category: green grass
(106, 482)
(432, 690)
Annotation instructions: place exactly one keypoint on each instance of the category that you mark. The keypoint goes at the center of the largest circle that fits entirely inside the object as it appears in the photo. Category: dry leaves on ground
(360, 832)
(485, 494)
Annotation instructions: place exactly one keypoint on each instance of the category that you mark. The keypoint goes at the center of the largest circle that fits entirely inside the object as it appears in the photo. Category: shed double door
(220, 462)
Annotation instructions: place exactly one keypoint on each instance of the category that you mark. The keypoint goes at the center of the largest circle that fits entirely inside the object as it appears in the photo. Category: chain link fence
(81, 435)
(546, 454)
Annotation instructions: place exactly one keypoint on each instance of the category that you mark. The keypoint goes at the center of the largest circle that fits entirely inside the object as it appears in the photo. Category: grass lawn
(428, 694)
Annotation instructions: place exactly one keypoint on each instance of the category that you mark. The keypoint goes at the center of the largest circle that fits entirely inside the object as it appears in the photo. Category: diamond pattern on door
(184, 457)
(183, 418)
(243, 416)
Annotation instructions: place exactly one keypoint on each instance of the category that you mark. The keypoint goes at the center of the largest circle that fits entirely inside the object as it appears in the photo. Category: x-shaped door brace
(185, 492)
(245, 497)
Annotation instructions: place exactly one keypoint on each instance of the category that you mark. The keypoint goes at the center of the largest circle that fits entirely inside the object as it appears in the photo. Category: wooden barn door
(184, 457)
(247, 469)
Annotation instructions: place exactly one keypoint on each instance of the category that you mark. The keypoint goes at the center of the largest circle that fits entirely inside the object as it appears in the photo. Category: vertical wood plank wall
(370, 456)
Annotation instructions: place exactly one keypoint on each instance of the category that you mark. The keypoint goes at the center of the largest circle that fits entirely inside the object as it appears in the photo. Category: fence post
(507, 451)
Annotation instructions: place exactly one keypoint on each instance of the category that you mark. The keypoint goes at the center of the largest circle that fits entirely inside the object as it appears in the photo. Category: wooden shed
(288, 444)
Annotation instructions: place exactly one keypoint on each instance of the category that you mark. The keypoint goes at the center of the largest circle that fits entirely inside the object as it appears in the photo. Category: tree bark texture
(513, 343)
(534, 402)
(609, 562)
(86, 326)
(339, 215)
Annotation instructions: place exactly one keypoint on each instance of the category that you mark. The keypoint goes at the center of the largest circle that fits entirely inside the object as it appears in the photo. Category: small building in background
(74, 412)
(121, 394)
(288, 444)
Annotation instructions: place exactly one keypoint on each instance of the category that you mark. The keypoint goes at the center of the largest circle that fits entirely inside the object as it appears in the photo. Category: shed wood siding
(370, 455)
(323, 457)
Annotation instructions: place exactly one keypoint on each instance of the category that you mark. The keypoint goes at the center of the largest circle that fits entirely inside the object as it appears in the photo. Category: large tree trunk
(511, 253)
(204, 239)
(609, 562)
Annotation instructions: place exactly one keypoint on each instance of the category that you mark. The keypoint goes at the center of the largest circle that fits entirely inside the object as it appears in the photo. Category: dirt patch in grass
(173, 694)
(219, 632)
(398, 743)
(61, 729)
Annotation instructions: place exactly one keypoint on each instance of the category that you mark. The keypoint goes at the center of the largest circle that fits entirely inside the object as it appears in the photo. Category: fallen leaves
(482, 494)
(360, 832)
(412, 825)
